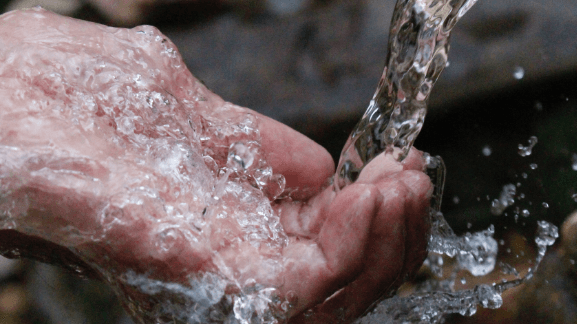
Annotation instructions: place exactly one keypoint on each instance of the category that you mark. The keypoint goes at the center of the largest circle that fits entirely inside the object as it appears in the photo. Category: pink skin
(352, 246)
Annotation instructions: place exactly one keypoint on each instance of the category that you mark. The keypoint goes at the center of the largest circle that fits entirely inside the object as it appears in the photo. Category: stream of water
(217, 188)
(417, 54)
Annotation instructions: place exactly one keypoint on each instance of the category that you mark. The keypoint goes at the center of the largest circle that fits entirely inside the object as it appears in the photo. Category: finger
(386, 165)
(305, 219)
(305, 164)
(383, 261)
(417, 220)
(397, 248)
(314, 271)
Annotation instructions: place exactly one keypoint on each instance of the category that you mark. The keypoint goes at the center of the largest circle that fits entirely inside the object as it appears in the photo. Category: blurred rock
(8, 267)
(323, 64)
(569, 235)
(63, 7)
(317, 62)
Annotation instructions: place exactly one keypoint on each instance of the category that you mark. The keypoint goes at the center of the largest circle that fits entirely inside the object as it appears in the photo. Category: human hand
(115, 154)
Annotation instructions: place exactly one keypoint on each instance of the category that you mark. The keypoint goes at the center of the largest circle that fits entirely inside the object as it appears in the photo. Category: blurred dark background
(314, 65)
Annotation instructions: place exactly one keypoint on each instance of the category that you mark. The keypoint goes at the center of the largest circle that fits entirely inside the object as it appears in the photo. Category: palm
(109, 171)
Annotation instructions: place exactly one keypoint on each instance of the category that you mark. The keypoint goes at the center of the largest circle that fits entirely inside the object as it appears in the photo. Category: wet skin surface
(101, 136)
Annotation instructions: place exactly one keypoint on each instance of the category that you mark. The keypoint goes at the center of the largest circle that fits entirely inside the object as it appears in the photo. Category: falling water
(417, 54)
(418, 47)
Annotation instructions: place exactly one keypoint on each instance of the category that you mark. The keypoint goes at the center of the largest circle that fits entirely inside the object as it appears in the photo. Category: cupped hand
(114, 159)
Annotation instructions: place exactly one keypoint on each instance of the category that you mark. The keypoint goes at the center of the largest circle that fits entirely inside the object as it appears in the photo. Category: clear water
(417, 54)
(219, 163)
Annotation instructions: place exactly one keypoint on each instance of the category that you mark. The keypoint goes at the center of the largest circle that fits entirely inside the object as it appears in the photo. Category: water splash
(475, 253)
(417, 54)
(505, 200)
(438, 298)
(527, 150)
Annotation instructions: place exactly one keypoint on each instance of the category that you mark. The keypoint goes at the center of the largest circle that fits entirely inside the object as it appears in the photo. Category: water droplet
(574, 162)
(547, 233)
(525, 213)
(574, 196)
(487, 150)
(463, 280)
(572, 261)
(518, 73)
(508, 269)
(533, 166)
(545, 205)
(527, 150)
(469, 225)
(538, 106)
(168, 238)
(241, 156)
(456, 200)
(505, 200)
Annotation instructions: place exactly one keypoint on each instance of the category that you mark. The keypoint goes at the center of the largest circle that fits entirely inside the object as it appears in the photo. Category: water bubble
(487, 150)
(518, 73)
(168, 238)
(241, 156)
(463, 280)
(574, 161)
(527, 150)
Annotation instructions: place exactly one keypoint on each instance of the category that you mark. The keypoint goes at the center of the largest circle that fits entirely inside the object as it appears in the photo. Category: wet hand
(114, 154)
